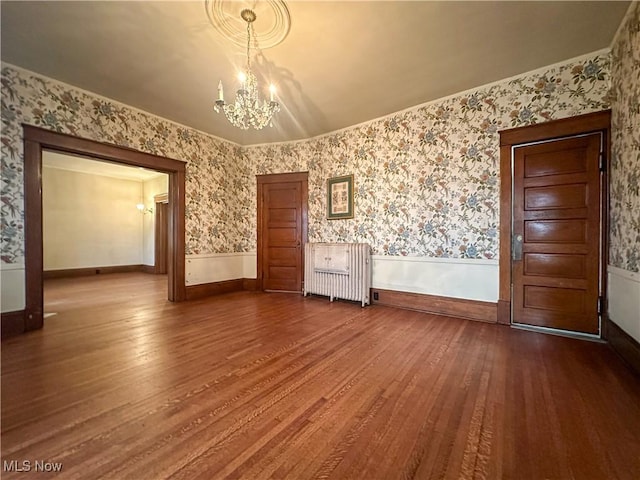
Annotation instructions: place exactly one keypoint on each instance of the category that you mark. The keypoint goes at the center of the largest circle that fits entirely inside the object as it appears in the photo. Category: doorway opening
(35, 141)
(98, 218)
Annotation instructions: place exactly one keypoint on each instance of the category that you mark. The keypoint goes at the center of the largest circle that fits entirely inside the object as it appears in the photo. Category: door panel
(554, 163)
(280, 278)
(555, 231)
(283, 215)
(555, 265)
(282, 207)
(282, 235)
(555, 196)
(556, 214)
(280, 256)
(561, 300)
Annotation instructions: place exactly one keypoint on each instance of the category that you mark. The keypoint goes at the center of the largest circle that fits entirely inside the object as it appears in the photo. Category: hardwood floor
(122, 384)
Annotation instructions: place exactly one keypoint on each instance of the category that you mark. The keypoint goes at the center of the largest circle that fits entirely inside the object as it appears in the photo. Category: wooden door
(282, 231)
(161, 252)
(556, 234)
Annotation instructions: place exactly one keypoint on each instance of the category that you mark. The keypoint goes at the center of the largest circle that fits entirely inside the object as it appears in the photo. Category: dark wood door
(161, 237)
(282, 232)
(556, 234)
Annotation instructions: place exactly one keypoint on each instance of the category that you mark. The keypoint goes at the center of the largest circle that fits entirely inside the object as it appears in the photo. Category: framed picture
(340, 197)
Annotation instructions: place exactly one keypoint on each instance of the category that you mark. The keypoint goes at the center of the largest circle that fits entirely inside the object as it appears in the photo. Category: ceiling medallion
(248, 110)
(273, 28)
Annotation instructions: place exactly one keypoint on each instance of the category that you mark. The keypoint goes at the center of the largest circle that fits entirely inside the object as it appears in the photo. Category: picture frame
(340, 197)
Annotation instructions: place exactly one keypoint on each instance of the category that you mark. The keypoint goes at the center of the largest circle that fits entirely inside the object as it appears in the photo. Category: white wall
(12, 287)
(624, 300)
(458, 278)
(447, 277)
(218, 267)
(90, 220)
(151, 188)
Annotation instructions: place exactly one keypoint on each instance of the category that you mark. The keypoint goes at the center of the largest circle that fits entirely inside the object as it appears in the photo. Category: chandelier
(248, 109)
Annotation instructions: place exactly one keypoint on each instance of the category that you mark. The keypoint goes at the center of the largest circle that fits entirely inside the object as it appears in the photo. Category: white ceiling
(342, 63)
(63, 161)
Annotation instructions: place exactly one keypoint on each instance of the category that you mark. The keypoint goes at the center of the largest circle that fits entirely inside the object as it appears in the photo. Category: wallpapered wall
(213, 216)
(426, 179)
(625, 158)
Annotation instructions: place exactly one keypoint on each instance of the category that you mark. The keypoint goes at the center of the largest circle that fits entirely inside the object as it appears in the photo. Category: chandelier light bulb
(272, 91)
(220, 92)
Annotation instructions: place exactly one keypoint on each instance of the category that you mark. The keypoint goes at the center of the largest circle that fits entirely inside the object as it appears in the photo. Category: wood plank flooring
(123, 384)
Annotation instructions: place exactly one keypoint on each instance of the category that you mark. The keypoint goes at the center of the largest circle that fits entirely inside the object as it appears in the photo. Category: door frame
(598, 122)
(262, 180)
(35, 140)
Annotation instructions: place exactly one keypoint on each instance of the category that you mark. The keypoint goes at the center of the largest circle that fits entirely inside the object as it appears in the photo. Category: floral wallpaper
(624, 248)
(426, 179)
(213, 217)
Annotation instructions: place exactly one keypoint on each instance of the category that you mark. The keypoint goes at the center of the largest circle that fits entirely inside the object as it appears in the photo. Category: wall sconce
(143, 210)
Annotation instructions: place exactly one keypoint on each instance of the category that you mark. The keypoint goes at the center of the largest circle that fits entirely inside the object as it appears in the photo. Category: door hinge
(602, 164)
(600, 305)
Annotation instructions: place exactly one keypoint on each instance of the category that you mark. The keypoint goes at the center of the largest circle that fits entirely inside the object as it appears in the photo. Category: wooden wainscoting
(625, 345)
(12, 323)
(217, 288)
(250, 284)
(448, 306)
(85, 272)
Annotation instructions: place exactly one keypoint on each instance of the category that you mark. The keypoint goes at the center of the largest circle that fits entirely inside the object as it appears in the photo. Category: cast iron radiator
(338, 270)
